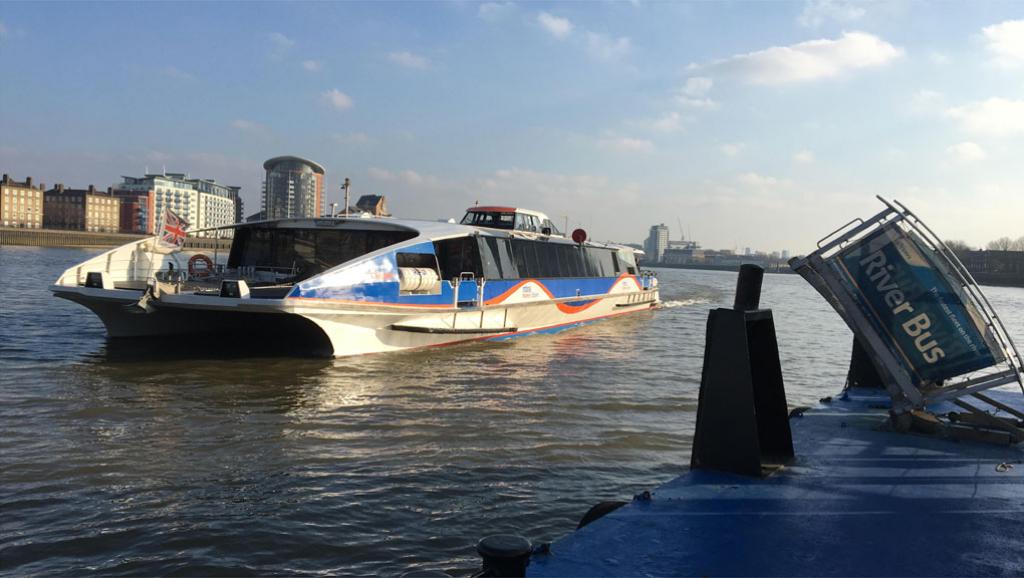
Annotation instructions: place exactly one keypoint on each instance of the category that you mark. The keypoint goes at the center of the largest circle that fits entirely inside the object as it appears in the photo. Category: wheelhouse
(510, 219)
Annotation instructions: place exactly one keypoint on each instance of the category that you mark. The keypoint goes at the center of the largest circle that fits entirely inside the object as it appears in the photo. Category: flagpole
(156, 237)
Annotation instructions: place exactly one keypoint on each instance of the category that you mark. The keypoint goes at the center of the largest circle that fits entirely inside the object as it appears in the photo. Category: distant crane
(682, 237)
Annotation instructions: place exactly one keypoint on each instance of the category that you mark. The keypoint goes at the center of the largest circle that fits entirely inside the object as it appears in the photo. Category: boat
(342, 286)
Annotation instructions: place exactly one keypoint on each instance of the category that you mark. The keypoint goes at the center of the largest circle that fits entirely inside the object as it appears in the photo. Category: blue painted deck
(859, 501)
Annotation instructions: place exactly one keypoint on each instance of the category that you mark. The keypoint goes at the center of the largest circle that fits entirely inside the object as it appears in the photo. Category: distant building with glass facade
(293, 188)
(204, 203)
(656, 243)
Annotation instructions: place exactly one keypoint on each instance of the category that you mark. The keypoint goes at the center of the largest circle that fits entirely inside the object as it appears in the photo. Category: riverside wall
(59, 238)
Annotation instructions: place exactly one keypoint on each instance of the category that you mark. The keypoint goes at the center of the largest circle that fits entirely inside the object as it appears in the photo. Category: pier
(860, 500)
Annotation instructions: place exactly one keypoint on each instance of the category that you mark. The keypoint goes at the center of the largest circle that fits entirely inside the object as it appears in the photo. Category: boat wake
(673, 303)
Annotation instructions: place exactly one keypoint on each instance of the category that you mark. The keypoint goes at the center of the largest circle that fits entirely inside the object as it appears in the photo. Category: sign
(915, 304)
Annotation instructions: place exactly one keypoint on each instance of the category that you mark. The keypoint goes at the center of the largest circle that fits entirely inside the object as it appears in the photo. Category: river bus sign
(901, 289)
(929, 330)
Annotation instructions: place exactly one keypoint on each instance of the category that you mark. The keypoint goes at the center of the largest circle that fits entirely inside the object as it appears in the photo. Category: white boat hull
(341, 329)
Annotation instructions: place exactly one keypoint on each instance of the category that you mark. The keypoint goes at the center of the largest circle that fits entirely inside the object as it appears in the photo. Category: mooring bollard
(748, 287)
(742, 414)
(504, 555)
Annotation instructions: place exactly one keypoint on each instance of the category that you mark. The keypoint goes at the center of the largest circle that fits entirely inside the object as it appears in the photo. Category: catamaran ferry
(348, 286)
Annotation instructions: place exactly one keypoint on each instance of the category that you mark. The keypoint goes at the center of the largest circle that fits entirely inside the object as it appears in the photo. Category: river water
(132, 459)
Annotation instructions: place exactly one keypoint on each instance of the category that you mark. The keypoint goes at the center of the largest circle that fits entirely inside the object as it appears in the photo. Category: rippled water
(128, 460)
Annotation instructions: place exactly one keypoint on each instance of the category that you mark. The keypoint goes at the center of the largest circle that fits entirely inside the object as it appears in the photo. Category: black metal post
(748, 287)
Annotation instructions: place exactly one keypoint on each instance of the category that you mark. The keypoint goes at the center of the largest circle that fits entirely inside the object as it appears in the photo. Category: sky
(737, 124)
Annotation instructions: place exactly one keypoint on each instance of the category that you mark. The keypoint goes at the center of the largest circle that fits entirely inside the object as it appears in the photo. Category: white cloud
(312, 65)
(350, 138)
(732, 149)
(756, 180)
(817, 12)
(337, 99)
(626, 144)
(407, 177)
(669, 122)
(804, 157)
(279, 45)
(495, 11)
(604, 48)
(808, 61)
(558, 27)
(409, 60)
(705, 103)
(1006, 41)
(281, 41)
(994, 117)
(938, 58)
(380, 174)
(176, 73)
(697, 86)
(248, 125)
(966, 152)
(927, 99)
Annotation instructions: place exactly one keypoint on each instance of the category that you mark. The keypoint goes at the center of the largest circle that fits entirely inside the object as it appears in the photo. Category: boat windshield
(297, 254)
(492, 219)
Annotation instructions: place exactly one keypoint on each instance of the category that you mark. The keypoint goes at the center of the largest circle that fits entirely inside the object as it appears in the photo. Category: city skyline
(756, 124)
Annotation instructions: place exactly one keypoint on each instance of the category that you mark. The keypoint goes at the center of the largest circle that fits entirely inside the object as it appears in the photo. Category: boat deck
(859, 501)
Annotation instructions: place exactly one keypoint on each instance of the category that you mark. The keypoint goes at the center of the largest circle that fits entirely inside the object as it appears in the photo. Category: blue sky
(760, 124)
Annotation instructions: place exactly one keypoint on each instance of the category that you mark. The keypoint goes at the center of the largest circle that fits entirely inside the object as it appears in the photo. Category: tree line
(1000, 244)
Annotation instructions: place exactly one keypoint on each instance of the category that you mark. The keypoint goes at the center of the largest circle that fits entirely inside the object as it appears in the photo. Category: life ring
(200, 271)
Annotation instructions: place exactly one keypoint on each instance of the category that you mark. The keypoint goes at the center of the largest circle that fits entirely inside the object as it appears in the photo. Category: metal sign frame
(897, 380)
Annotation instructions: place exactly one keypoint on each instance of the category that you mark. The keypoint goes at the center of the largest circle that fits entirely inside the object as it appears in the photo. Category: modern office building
(81, 210)
(203, 203)
(293, 188)
(656, 243)
(21, 204)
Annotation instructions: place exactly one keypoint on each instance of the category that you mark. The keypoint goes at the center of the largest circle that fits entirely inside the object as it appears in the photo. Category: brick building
(138, 211)
(21, 204)
(81, 210)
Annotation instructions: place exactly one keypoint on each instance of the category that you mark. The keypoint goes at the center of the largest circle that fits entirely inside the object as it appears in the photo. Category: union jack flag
(172, 233)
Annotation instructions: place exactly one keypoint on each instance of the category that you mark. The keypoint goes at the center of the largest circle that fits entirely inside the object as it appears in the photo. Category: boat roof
(425, 228)
(499, 209)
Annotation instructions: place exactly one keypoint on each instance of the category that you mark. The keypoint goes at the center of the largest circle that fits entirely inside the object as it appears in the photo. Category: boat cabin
(510, 219)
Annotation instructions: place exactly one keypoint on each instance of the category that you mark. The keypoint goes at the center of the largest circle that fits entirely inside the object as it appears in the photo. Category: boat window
(496, 258)
(298, 254)
(493, 219)
(526, 223)
(628, 261)
(457, 256)
(547, 224)
(554, 260)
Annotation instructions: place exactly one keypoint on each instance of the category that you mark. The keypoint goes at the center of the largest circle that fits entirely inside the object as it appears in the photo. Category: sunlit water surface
(136, 459)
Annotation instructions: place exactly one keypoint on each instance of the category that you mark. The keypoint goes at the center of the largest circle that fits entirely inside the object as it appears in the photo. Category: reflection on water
(128, 457)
